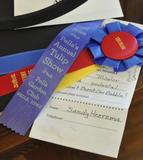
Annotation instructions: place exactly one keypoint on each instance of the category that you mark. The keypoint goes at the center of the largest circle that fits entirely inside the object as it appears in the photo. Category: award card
(91, 114)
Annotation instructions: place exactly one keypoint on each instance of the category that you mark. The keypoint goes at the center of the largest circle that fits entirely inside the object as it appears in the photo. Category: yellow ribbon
(73, 77)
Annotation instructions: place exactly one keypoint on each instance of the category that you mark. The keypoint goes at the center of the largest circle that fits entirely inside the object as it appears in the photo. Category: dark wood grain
(14, 147)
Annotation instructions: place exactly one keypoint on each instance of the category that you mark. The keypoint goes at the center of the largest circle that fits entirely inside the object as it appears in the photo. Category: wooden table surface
(14, 147)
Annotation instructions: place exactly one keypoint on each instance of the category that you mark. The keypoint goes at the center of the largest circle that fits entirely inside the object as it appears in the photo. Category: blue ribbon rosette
(118, 46)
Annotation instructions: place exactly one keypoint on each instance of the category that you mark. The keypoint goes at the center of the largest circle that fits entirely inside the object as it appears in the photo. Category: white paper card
(91, 114)
(91, 10)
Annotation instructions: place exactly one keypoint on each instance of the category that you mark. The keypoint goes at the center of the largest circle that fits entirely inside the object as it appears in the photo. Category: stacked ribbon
(10, 82)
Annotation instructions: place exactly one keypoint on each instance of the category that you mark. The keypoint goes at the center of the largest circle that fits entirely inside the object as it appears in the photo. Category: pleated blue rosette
(118, 65)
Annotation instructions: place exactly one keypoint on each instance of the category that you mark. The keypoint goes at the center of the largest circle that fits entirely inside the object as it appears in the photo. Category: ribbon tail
(121, 67)
(99, 35)
(111, 63)
(133, 30)
(140, 52)
(132, 62)
(141, 63)
(113, 27)
(96, 51)
(140, 42)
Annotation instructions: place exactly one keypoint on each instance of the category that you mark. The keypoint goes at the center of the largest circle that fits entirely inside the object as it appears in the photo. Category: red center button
(119, 45)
